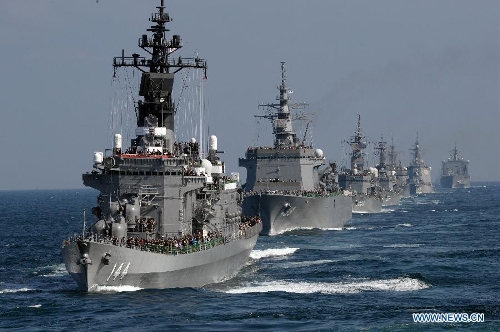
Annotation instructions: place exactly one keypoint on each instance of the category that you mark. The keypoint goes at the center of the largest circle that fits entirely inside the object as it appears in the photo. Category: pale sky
(431, 67)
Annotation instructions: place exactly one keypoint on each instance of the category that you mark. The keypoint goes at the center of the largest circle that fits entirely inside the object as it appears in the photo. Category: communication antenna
(83, 231)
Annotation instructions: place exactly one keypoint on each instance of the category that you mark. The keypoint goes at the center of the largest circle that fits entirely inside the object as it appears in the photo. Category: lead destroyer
(165, 216)
(284, 184)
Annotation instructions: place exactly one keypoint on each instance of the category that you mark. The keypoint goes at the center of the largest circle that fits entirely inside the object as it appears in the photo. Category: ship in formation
(392, 178)
(455, 171)
(399, 171)
(360, 181)
(167, 216)
(289, 184)
(419, 174)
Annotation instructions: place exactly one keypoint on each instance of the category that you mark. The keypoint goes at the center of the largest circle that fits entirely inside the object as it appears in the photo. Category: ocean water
(434, 253)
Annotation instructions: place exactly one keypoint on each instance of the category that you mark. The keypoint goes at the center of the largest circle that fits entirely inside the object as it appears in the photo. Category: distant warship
(361, 182)
(284, 183)
(393, 177)
(419, 174)
(390, 191)
(400, 172)
(455, 172)
(166, 217)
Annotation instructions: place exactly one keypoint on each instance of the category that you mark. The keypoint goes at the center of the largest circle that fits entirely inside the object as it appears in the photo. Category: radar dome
(318, 153)
(207, 165)
(213, 142)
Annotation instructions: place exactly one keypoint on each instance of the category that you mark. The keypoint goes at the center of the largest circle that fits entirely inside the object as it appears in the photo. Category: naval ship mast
(382, 153)
(157, 79)
(284, 135)
(357, 144)
(417, 155)
(392, 154)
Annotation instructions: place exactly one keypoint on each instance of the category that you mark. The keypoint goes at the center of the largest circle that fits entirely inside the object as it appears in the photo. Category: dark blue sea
(435, 253)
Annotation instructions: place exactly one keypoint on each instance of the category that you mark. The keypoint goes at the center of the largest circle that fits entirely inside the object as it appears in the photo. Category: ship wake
(404, 284)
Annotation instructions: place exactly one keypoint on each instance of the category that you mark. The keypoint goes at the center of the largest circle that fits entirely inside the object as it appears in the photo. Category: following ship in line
(285, 185)
(400, 172)
(393, 188)
(455, 171)
(360, 182)
(419, 174)
(166, 217)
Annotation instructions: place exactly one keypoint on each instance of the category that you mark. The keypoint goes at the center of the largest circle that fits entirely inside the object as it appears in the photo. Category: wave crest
(15, 290)
(258, 254)
(404, 284)
(114, 289)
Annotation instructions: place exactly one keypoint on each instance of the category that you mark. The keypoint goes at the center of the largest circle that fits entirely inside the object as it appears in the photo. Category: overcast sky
(430, 67)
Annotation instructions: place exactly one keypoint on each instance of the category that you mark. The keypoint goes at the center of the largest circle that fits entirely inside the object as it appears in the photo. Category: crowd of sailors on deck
(163, 243)
(308, 193)
(188, 148)
(174, 244)
(249, 221)
(281, 147)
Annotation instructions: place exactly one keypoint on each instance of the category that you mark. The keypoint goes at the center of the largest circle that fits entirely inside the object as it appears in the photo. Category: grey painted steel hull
(454, 181)
(144, 269)
(394, 197)
(281, 213)
(405, 191)
(421, 189)
(364, 204)
(391, 198)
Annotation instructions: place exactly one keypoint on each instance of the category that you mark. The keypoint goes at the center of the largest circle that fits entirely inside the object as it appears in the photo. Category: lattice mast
(157, 108)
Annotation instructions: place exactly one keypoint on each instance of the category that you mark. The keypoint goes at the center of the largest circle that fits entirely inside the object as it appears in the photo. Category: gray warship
(392, 178)
(390, 190)
(361, 182)
(400, 172)
(284, 183)
(166, 217)
(455, 171)
(419, 174)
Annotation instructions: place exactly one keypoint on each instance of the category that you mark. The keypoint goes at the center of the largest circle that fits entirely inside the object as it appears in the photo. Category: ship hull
(364, 204)
(421, 189)
(391, 198)
(405, 191)
(145, 269)
(451, 181)
(281, 213)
